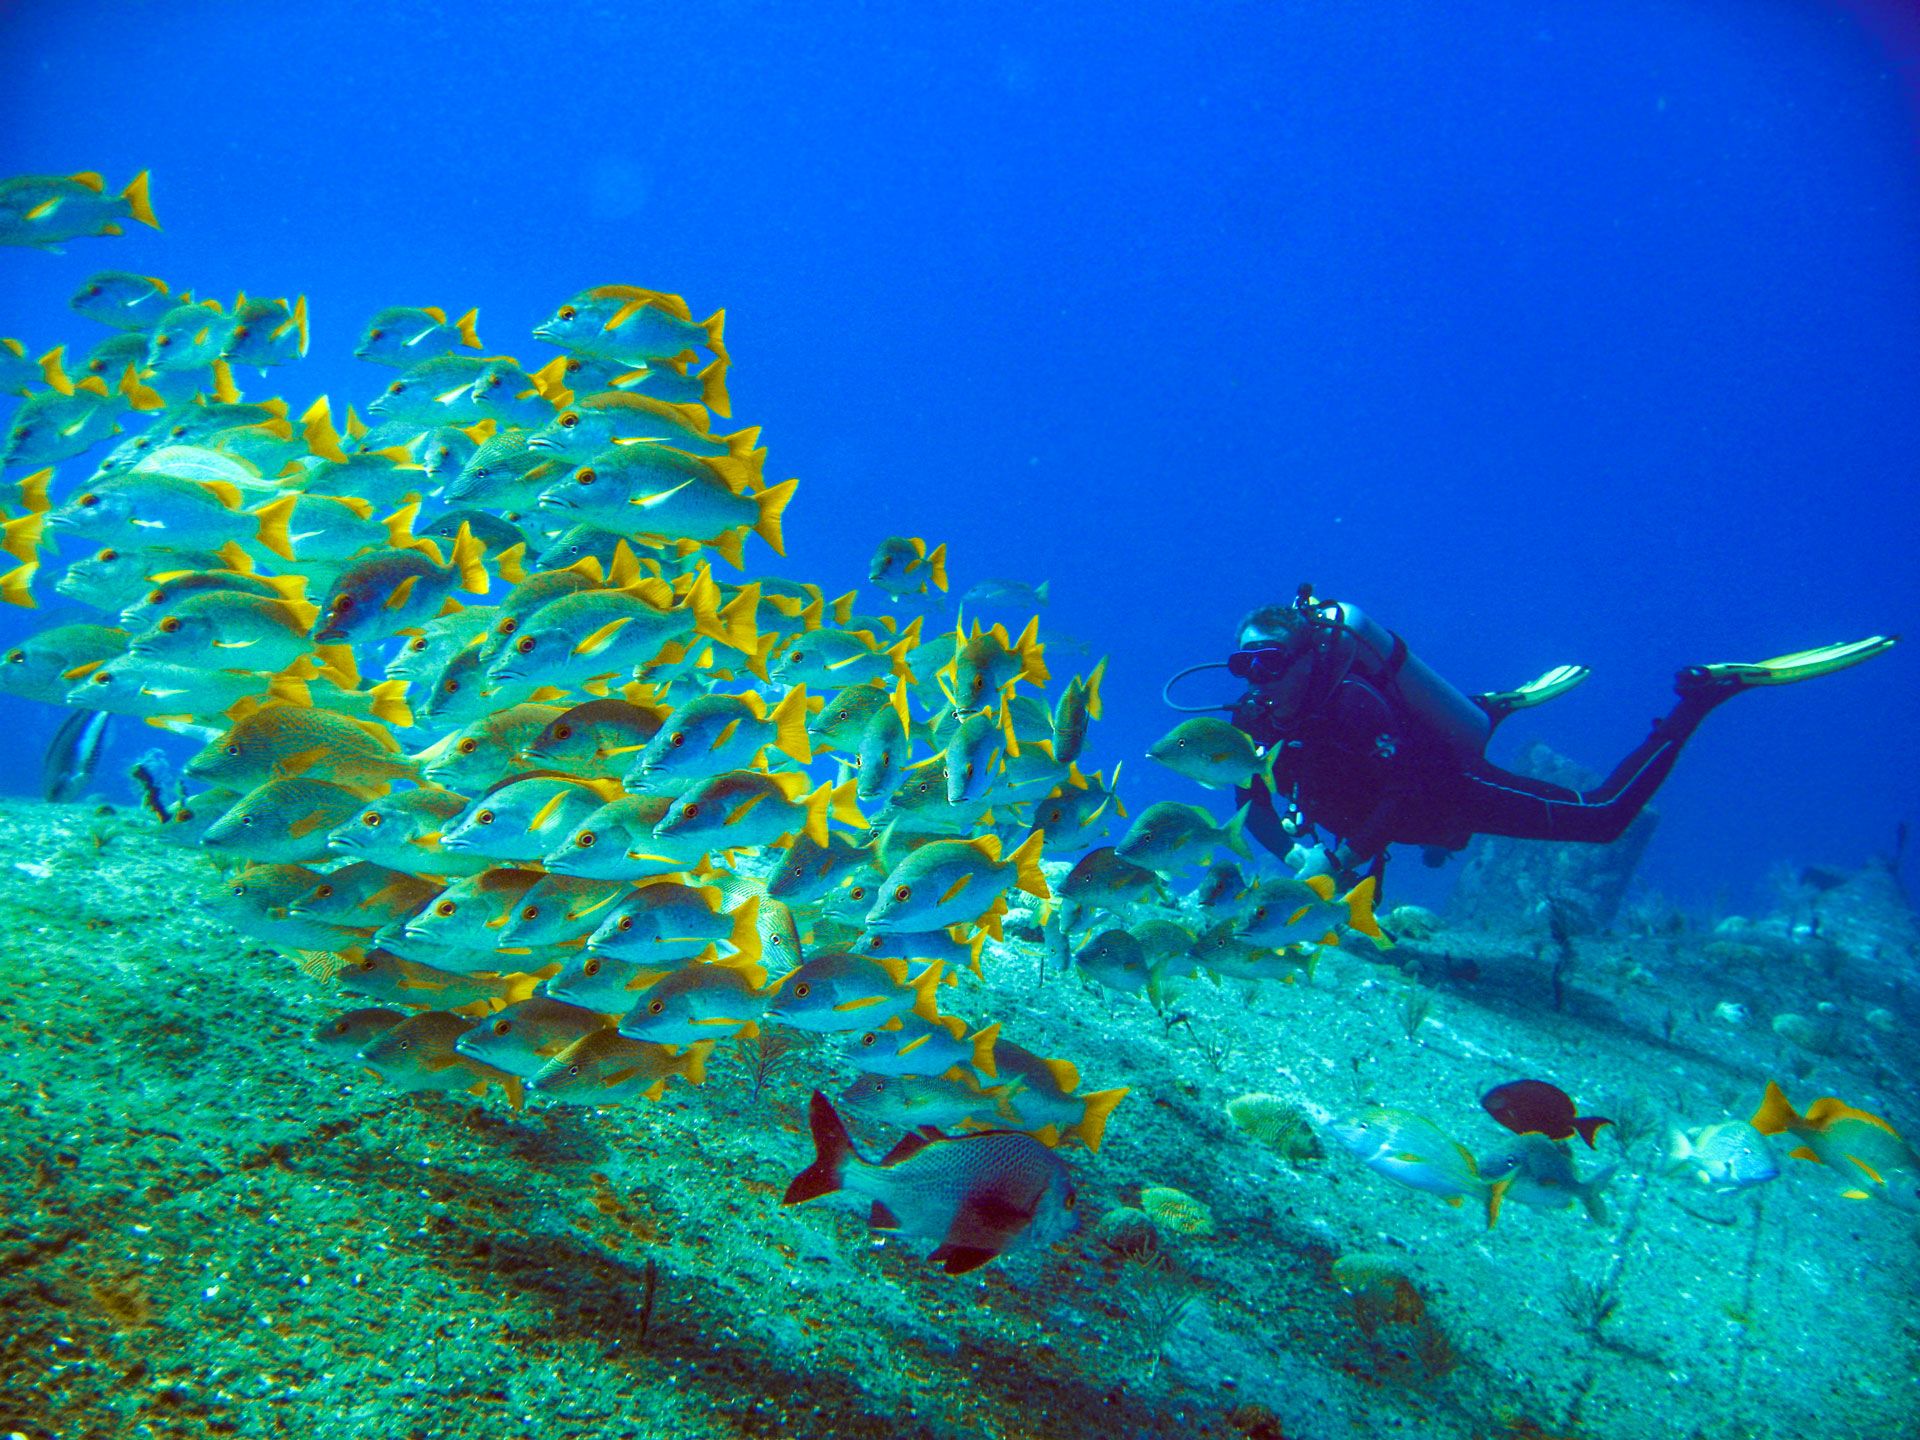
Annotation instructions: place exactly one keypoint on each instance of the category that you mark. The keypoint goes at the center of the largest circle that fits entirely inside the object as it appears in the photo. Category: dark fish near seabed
(976, 1194)
(74, 754)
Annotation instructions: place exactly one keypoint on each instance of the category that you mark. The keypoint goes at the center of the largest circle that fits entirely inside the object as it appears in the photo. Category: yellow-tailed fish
(1413, 1151)
(1865, 1149)
(701, 1002)
(841, 991)
(666, 924)
(283, 820)
(904, 566)
(121, 299)
(44, 210)
(953, 881)
(523, 817)
(910, 1044)
(382, 975)
(522, 1038)
(405, 335)
(714, 733)
(749, 807)
(607, 1068)
(420, 1054)
(283, 740)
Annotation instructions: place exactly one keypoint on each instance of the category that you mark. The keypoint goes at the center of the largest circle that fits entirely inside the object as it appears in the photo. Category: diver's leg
(1493, 801)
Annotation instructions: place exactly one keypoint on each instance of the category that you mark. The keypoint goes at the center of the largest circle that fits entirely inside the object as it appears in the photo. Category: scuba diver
(1370, 746)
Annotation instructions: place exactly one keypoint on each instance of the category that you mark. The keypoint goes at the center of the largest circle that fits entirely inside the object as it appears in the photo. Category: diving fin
(1786, 669)
(1550, 686)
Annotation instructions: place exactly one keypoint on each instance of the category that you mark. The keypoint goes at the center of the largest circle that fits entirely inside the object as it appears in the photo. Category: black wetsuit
(1365, 768)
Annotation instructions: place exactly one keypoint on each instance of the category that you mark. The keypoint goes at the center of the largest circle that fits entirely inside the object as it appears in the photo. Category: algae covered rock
(1276, 1123)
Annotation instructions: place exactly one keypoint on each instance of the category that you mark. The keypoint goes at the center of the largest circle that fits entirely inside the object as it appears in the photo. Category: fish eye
(483, 817)
(170, 625)
(592, 967)
(1071, 1200)
(586, 476)
(506, 626)
(371, 819)
(323, 892)
(375, 333)
(154, 597)
(89, 500)
(626, 923)
(562, 732)
(445, 908)
(102, 678)
(467, 746)
(493, 382)
(797, 655)
(869, 1040)
(107, 557)
(233, 749)
(569, 420)
(416, 645)
(676, 739)
(585, 839)
(481, 472)
(802, 990)
(691, 810)
(16, 656)
(163, 341)
(501, 1027)
(524, 645)
(91, 291)
(238, 891)
(573, 1069)
(567, 312)
(901, 892)
(654, 1007)
(857, 892)
(240, 332)
(395, 388)
(532, 912)
(406, 1045)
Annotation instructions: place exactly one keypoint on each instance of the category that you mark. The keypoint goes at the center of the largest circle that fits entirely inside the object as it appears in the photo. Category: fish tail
(691, 1064)
(1591, 1197)
(745, 938)
(138, 395)
(937, 566)
(1776, 1112)
(389, 699)
(789, 721)
(926, 993)
(273, 517)
(739, 620)
(1026, 862)
(713, 388)
(22, 535)
(510, 562)
(983, 1044)
(1359, 903)
(715, 325)
(1094, 676)
(316, 428)
(1496, 1193)
(467, 553)
(771, 503)
(138, 204)
(1235, 831)
(1679, 1150)
(1091, 1127)
(1589, 1126)
(33, 490)
(469, 337)
(832, 1147)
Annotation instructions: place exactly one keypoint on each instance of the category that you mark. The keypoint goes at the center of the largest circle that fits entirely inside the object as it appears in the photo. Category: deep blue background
(1546, 331)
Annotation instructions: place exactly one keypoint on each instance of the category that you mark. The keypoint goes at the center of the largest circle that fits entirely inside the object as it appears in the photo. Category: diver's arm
(1263, 818)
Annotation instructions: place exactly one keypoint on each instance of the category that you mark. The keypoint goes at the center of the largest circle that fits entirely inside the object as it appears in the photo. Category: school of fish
(508, 731)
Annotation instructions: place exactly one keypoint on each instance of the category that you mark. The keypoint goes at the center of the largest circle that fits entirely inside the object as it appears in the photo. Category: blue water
(1544, 331)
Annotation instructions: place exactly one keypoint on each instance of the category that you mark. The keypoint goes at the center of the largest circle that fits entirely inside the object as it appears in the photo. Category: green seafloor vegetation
(212, 1228)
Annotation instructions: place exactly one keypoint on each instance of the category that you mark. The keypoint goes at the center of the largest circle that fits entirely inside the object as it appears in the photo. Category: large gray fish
(976, 1194)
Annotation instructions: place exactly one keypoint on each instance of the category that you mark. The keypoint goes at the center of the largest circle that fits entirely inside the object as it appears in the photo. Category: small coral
(1380, 1292)
(1176, 1210)
(1277, 1123)
(1411, 922)
(1128, 1232)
